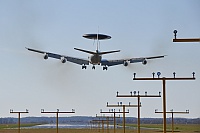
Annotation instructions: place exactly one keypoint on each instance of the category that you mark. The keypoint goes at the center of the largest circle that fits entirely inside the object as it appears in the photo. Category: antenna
(98, 38)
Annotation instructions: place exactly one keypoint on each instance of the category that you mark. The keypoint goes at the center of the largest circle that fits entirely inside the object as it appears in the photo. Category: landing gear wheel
(93, 67)
(105, 68)
(84, 67)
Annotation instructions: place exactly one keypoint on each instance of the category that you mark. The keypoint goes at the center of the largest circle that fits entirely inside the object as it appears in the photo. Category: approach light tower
(102, 123)
(185, 39)
(173, 112)
(163, 79)
(138, 96)
(114, 115)
(57, 112)
(19, 114)
(107, 121)
(123, 106)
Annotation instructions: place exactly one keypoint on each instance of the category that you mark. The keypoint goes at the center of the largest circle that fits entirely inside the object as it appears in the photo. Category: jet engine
(125, 63)
(63, 60)
(144, 62)
(46, 56)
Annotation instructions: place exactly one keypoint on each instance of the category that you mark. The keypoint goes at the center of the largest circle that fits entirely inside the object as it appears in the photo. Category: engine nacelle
(46, 56)
(144, 62)
(63, 60)
(125, 63)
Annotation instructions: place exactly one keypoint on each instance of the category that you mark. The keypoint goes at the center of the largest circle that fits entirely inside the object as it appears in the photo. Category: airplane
(96, 56)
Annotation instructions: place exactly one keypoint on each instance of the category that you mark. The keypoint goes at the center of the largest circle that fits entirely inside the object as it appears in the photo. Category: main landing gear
(93, 67)
(105, 68)
(84, 67)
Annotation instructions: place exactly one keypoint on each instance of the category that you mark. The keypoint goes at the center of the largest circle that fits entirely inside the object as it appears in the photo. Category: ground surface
(80, 131)
(152, 128)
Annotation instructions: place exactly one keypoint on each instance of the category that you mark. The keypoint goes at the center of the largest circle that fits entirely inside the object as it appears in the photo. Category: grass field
(190, 128)
(79, 131)
(177, 127)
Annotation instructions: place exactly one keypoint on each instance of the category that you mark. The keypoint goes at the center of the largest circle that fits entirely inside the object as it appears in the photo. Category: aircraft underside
(93, 67)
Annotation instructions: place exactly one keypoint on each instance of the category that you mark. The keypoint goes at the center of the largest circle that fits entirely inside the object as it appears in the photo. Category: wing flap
(77, 60)
(136, 60)
(111, 62)
(52, 55)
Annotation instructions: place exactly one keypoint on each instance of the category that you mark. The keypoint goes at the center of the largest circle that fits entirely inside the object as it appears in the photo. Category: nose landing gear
(93, 67)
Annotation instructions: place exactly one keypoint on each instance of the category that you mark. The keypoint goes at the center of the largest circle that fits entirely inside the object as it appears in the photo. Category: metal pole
(172, 122)
(114, 122)
(102, 126)
(138, 113)
(99, 126)
(107, 124)
(57, 122)
(124, 117)
(164, 106)
(19, 122)
(187, 40)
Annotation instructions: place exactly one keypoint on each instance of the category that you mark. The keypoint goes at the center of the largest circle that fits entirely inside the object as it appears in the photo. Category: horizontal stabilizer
(108, 52)
(86, 51)
(97, 52)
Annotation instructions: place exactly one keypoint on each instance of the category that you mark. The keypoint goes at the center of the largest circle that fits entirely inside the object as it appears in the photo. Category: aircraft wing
(105, 62)
(77, 60)
(63, 58)
(142, 59)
